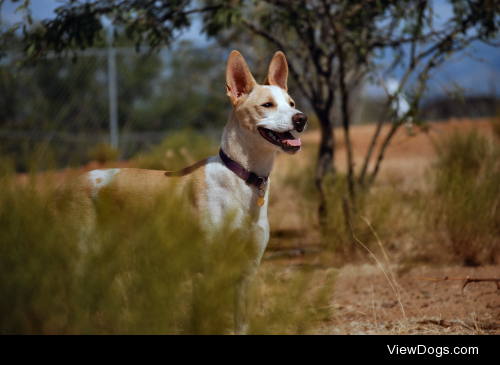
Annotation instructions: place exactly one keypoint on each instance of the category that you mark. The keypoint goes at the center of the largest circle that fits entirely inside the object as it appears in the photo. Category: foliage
(64, 103)
(55, 91)
(179, 150)
(49, 94)
(62, 106)
(193, 92)
(79, 25)
(469, 194)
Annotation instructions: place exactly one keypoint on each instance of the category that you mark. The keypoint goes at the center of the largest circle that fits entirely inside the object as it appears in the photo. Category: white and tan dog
(264, 121)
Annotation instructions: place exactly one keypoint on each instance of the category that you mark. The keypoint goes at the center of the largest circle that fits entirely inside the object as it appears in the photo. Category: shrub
(376, 205)
(467, 189)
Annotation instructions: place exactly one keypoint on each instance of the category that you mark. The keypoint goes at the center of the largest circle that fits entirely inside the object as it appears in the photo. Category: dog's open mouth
(285, 140)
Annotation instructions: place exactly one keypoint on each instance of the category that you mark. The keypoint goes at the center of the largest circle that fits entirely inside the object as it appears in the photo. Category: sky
(474, 76)
(42, 9)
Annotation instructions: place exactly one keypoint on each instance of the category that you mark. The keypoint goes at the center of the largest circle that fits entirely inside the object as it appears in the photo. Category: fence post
(113, 98)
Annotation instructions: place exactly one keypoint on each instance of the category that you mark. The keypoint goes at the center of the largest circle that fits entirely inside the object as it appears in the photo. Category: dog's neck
(244, 151)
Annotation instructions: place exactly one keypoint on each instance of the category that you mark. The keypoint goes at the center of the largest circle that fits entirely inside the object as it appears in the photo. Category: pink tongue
(291, 142)
(287, 139)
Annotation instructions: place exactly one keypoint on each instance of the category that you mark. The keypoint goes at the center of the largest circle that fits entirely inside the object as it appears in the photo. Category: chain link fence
(58, 110)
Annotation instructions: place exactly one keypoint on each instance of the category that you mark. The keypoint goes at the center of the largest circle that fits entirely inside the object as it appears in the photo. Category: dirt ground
(366, 302)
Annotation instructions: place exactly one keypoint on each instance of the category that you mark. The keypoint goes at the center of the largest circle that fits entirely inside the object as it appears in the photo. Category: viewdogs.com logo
(437, 351)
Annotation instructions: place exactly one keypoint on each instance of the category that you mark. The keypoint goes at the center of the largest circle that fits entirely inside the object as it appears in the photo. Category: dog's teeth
(273, 136)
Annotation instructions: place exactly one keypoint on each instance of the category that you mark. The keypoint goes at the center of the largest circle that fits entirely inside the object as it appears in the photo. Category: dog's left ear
(278, 72)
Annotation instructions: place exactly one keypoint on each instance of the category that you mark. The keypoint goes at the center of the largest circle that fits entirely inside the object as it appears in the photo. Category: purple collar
(248, 176)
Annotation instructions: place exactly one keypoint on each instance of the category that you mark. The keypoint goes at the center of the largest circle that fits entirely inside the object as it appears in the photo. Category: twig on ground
(441, 323)
(467, 280)
(448, 324)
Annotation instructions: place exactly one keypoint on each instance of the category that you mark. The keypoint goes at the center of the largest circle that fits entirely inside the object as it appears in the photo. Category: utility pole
(113, 98)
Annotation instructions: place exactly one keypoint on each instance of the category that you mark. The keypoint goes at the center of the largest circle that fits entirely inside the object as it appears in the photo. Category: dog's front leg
(242, 303)
(198, 315)
(243, 289)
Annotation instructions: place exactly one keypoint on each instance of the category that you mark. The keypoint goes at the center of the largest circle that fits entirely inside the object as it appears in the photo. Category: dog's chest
(231, 201)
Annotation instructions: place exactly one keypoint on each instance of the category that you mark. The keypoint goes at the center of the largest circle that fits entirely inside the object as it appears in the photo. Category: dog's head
(265, 113)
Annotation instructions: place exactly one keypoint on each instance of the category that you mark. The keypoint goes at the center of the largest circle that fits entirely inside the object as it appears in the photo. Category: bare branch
(203, 10)
(258, 31)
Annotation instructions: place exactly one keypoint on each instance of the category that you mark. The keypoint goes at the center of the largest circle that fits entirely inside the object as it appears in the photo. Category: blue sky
(42, 9)
(475, 77)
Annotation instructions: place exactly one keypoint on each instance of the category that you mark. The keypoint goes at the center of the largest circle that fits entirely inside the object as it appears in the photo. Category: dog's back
(128, 190)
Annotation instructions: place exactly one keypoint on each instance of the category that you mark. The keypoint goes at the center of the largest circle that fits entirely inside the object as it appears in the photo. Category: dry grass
(466, 198)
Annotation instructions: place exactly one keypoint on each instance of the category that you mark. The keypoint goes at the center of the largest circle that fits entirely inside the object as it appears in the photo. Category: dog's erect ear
(278, 72)
(239, 79)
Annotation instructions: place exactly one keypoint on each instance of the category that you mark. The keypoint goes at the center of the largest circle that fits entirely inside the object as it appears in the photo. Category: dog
(264, 121)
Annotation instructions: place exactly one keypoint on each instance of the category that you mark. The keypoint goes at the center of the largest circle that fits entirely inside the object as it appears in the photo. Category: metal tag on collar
(262, 181)
(261, 200)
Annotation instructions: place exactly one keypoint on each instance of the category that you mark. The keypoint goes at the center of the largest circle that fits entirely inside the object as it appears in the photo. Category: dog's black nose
(299, 121)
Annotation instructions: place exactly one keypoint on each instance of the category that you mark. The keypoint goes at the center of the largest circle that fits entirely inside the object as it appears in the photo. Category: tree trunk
(325, 167)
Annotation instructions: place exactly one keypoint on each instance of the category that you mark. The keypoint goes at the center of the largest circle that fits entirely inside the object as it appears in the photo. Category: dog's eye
(292, 104)
(268, 105)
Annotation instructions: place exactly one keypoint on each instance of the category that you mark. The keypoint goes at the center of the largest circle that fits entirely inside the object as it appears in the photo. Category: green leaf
(20, 8)
(30, 51)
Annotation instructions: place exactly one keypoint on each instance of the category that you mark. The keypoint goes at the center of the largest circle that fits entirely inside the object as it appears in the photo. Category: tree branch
(344, 102)
(281, 46)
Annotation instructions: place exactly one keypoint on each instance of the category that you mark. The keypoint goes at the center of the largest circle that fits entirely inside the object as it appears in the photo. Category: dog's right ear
(239, 79)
